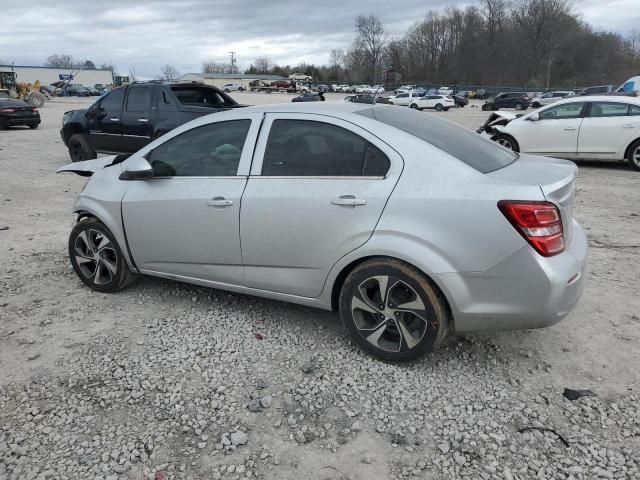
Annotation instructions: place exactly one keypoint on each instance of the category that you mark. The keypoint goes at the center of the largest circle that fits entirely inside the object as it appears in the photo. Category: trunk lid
(556, 178)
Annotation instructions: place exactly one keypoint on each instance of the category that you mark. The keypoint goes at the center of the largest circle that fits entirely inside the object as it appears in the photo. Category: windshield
(459, 142)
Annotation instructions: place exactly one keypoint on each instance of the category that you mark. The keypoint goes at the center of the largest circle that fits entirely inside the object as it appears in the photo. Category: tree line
(68, 62)
(534, 43)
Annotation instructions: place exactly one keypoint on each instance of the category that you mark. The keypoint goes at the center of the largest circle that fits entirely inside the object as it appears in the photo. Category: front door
(137, 129)
(185, 220)
(317, 188)
(555, 133)
(608, 129)
(105, 122)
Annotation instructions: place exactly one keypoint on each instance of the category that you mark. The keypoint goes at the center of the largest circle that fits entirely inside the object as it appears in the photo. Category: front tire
(80, 149)
(438, 107)
(633, 155)
(392, 310)
(414, 106)
(535, 105)
(33, 126)
(96, 257)
(519, 106)
(507, 141)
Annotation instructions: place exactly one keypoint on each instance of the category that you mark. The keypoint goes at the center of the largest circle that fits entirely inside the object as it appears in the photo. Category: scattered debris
(545, 429)
(576, 394)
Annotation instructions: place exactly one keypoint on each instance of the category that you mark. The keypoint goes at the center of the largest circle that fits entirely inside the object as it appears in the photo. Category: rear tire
(438, 107)
(535, 105)
(33, 126)
(80, 149)
(507, 141)
(446, 109)
(633, 155)
(96, 257)
(414, 319)
(519, 106)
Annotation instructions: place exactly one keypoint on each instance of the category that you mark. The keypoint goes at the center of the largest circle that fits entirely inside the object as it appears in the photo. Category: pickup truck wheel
(414, 106)
(438, 107)
(80, 149)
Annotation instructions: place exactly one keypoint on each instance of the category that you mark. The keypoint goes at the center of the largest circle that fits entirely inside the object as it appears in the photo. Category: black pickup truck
(127, 118)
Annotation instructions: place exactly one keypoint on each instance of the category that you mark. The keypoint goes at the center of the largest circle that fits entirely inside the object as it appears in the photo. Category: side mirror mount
(534, 117)
(137, 169)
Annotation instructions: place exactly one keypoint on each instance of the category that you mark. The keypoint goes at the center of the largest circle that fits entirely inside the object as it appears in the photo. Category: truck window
(198, 97)
(112, 101)
(139, 99)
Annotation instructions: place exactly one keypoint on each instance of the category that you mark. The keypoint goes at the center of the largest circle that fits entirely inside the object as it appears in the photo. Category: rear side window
(197, 96)
(609, 109)
(139, 99)
(306, 148)
(112, 101)
(459, 142)
(634, 110)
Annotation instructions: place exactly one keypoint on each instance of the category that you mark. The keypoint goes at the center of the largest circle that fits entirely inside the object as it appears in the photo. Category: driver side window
(561, 112)
(212, 150)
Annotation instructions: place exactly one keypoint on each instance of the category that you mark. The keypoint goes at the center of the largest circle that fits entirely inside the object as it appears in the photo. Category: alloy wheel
(505, 143)
(95, 256)
(636, 156)
(389, 313)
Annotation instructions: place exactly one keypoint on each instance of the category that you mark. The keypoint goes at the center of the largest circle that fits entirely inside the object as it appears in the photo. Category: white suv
(439, 102)
(232, 87)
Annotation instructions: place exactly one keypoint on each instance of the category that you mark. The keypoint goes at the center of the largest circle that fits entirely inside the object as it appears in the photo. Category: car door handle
(569, 128)
(348, 201)
(114, 119)
(219, 202)
(143, 120)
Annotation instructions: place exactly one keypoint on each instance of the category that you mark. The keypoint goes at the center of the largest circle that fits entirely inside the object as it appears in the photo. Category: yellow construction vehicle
(28, 92)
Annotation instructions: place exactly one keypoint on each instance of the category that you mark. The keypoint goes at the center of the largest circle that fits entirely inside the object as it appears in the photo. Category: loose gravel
(168, 381)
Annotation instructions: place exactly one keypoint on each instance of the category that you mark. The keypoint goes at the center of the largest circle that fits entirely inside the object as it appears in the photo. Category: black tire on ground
(535, 105)
(33, 126)
(241, 89)
(633, 155)
(485, 107)
(414, 106)
(80, 149)
(438, 107)
(403, 334)
(446, 109)
(519, 106)
(96, 257)
(35, 99)
(226, 90)
(507, 141)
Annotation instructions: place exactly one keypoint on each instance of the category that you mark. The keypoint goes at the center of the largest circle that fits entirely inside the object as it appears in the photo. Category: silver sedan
(407, 224)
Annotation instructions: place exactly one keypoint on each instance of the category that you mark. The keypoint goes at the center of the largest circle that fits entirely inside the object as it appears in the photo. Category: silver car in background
(407, 224)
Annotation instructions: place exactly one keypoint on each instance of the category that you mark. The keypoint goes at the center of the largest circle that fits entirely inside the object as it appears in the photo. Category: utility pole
(233, 62)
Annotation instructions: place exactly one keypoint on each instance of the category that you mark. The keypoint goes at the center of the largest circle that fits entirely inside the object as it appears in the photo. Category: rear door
(607, 130)
(105, 122)
(317, 188)
(137, 129)
(554, 134)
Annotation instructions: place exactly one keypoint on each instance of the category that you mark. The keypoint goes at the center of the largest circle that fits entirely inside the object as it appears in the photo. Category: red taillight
(7, 110)
(538, 222)
(34, 109)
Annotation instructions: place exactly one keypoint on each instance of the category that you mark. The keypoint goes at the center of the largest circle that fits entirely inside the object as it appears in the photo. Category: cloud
(147, 34)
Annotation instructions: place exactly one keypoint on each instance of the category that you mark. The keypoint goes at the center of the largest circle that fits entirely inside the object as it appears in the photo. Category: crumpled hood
(89, 167)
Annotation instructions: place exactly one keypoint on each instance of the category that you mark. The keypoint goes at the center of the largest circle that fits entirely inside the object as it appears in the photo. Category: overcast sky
(147, 34)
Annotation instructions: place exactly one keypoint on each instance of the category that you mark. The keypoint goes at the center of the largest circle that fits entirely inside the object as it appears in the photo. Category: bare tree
(262, 65)
(211, 66)
(370, 41)
(336, 61)
(107, 66)
(169, 72)
(60, 61)
(85, 65)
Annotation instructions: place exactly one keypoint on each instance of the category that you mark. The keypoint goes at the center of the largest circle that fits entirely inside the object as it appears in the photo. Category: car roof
(309, 107)
(599, 98)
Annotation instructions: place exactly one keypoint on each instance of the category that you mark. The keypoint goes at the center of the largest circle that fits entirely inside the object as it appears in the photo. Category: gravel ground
(165, 380)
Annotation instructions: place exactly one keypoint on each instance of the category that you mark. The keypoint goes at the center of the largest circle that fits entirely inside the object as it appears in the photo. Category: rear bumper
(524, 291)
(11, 122)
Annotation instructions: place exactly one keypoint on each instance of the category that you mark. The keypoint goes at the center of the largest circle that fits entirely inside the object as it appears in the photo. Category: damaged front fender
(496, 121)
(89, 167)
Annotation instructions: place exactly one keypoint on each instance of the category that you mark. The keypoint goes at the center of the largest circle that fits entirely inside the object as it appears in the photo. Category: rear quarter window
(459, 142)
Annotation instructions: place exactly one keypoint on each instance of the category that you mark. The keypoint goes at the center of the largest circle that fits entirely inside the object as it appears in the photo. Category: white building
(48, 75)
